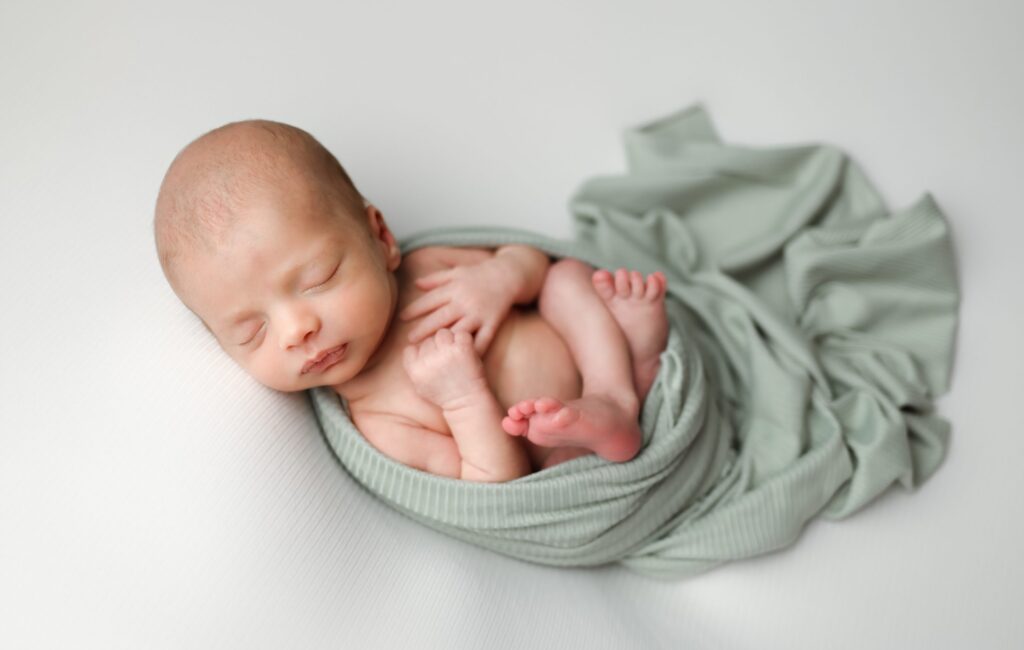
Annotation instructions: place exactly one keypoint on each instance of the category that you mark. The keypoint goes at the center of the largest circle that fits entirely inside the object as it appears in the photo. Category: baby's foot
(639, 309)
(595, 422)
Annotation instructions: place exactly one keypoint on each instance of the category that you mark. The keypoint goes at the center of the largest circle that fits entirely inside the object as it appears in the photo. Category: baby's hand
(475, 297)
(445, 369)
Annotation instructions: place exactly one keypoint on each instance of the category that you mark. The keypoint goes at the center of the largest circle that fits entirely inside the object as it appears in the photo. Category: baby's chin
(299, 386)
(326, 379)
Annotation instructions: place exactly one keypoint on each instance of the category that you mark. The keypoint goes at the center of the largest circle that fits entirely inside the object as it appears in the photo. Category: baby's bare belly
(528, 358)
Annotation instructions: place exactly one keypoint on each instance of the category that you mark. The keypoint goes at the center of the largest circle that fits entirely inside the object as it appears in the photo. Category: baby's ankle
(628, 402)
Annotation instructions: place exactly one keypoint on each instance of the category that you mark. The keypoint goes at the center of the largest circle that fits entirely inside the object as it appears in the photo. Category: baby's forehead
(256, 248)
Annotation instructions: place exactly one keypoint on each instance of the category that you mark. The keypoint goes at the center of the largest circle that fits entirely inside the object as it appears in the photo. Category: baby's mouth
(325, 359)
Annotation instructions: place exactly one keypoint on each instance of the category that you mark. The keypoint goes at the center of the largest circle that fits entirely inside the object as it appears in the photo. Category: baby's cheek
(269, 373)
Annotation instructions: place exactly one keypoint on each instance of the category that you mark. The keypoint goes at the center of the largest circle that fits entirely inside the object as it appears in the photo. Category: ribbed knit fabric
(810, 332)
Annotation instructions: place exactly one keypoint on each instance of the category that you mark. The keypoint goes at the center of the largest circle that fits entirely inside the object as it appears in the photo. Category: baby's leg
(604, 418)
(639, 308)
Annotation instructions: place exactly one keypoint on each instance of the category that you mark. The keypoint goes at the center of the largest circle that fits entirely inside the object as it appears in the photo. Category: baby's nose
(297, 327)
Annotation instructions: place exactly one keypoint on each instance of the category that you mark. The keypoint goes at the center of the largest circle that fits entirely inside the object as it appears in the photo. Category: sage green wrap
(810, 332)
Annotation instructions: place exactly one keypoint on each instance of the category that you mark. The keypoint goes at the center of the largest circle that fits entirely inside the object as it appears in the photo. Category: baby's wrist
(525, 269)
(469, 404)
(510, 275)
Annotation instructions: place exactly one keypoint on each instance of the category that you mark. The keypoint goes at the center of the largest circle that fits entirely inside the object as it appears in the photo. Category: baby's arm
(446, 370)
(488, 453)
(477, 297)
(413, 445)
(527, 266)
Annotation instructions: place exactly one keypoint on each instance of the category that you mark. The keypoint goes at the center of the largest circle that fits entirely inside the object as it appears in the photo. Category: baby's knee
(569, 269)
(566, 281)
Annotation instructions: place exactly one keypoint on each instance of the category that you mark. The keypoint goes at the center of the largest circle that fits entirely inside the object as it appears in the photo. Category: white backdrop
(154, 496)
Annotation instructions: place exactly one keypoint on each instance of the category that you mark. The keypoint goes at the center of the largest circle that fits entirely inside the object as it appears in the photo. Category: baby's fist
(445, 369)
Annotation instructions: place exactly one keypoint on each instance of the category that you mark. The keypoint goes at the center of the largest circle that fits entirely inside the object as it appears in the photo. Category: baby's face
(293, 282)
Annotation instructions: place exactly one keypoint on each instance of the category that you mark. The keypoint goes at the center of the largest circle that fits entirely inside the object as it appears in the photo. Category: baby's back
(527, 358)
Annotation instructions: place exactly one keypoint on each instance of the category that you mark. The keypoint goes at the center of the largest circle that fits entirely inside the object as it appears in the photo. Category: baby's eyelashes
(253, 337)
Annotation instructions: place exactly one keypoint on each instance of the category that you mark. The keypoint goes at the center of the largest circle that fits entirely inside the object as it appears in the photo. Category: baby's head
(264, 237)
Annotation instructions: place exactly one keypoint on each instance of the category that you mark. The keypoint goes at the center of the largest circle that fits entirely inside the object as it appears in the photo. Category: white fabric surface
(230, 525)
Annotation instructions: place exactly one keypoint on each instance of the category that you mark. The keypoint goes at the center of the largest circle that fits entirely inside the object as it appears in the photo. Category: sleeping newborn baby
(469, 363)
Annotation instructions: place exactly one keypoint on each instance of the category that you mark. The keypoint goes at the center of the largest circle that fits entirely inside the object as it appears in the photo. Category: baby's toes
(655, 286)
(566, 416)
(622, 284)
(604, 284)
(514, 427)
(521, 409)
(636, 284)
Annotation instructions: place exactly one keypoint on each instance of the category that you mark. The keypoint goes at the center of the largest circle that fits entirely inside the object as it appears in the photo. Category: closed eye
(328, 279)
(253, 337)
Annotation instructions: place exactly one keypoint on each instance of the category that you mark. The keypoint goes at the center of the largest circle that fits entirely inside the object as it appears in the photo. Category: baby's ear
(380, 233)
(394, 257)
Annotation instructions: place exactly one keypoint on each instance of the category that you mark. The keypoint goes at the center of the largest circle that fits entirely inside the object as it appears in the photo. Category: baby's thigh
(528, 359)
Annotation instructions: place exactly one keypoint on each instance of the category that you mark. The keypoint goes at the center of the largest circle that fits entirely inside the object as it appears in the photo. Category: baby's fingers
(435, 321)
(483, 338)
(434, 279)
(425, 303)
(465, 324)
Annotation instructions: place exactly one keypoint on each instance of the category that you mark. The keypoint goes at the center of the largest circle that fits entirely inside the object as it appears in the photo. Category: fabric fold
(811, 331)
